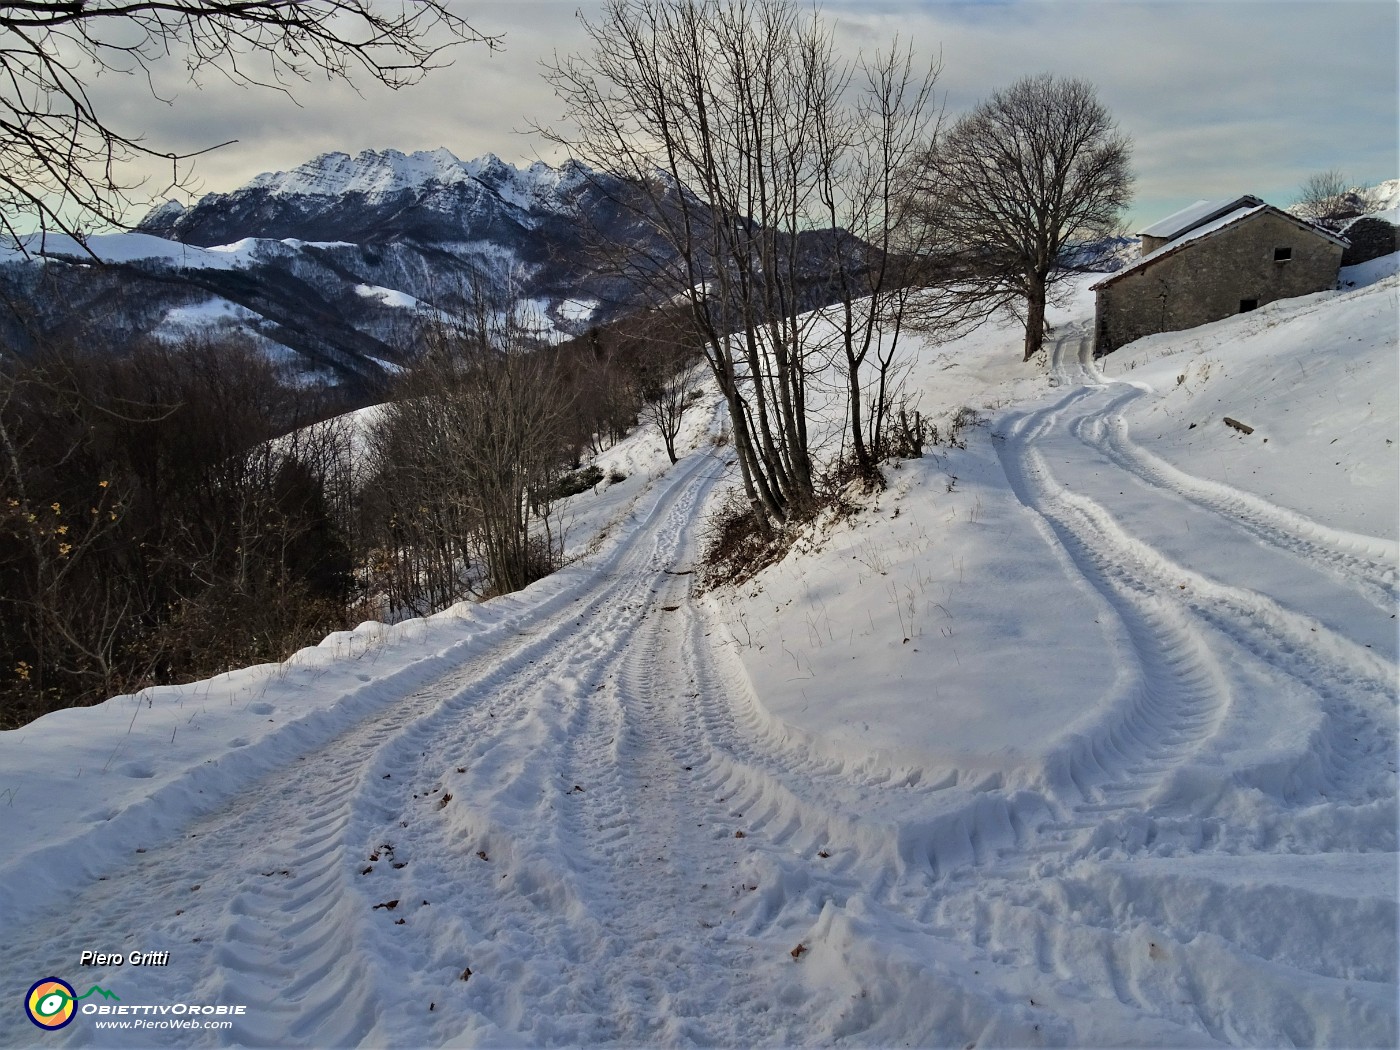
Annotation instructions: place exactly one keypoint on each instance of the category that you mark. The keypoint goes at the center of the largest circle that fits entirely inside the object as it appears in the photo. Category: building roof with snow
(1221, 258)
(1197, 214)
(1208, 227)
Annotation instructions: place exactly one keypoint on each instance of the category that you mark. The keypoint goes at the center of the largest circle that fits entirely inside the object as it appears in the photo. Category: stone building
(1211, 260)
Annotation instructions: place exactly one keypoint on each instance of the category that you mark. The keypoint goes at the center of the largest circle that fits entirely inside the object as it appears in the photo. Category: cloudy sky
(1220, 96)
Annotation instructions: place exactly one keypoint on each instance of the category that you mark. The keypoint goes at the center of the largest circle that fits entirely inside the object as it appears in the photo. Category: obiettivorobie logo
(52, 1003)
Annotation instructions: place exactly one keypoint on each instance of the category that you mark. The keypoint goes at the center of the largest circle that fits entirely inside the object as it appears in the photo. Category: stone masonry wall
(1210, 279)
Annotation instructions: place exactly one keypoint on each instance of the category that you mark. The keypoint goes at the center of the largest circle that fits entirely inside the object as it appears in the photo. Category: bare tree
(1329, 197)
(664, 401)
(868, 150)
(1009, 187)
(62, 151)
(734, 120)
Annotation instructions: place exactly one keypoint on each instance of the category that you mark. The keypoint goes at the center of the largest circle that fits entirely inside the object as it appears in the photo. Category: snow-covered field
(1083, 734)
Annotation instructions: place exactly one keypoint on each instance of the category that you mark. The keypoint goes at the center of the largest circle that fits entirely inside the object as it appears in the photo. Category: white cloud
(1220, 97)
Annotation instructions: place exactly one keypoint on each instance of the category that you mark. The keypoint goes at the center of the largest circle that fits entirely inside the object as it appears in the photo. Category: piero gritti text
(129, 959)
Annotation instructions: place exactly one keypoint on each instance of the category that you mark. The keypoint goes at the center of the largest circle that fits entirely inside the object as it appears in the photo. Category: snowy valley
(1082, 732)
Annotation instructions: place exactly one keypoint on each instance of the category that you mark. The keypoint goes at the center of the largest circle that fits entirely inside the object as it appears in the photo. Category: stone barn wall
(1370, 239)
(1217, 276)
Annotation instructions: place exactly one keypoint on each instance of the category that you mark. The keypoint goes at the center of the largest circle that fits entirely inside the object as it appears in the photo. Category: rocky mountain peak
(371, 172)
(379, 195)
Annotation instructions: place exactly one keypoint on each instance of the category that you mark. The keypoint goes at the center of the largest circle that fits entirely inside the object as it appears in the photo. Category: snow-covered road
(588, 826)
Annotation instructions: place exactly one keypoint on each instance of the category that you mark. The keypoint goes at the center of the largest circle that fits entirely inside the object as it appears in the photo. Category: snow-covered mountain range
(329, 262)
(381, 196)
(332, 264)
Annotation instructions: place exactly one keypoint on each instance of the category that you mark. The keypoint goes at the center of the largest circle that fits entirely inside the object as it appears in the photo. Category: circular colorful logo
(49, 1003)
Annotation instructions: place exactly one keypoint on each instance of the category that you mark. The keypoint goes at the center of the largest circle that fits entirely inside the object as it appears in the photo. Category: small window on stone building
(1248, 304)
(1283, 254)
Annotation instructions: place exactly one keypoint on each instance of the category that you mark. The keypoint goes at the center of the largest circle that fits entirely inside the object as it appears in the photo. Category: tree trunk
(1035, 317)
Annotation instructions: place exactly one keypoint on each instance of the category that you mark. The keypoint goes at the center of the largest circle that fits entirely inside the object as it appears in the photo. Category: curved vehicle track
(1370, 565)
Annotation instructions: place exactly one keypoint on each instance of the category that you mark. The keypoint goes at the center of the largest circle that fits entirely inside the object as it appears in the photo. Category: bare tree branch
(61, 155)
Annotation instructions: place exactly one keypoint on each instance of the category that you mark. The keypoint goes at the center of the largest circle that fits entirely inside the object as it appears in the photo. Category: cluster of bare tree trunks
(766, 165)
(775, 172)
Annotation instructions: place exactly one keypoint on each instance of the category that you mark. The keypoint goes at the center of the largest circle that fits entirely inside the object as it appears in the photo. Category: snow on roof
(1201, 212)
(1230, 218)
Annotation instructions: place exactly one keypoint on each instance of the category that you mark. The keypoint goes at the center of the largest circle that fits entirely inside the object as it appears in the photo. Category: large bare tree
(1009, 187)
(736, 122)
(63, 153)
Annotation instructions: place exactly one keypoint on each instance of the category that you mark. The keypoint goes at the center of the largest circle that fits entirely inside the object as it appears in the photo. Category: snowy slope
(1118, 640)
(1386, 197)
(139, 247)
(1318, 394)
(1083, 734)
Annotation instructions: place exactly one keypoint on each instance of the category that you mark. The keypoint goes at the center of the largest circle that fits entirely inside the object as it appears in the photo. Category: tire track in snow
(1181, 694)
(1354, 685)
(539, 902)
(907, 869)
(662, 869)
(1178, 694)
(1368, 564)
(498, 786)
(621, 868)
(686, 777)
